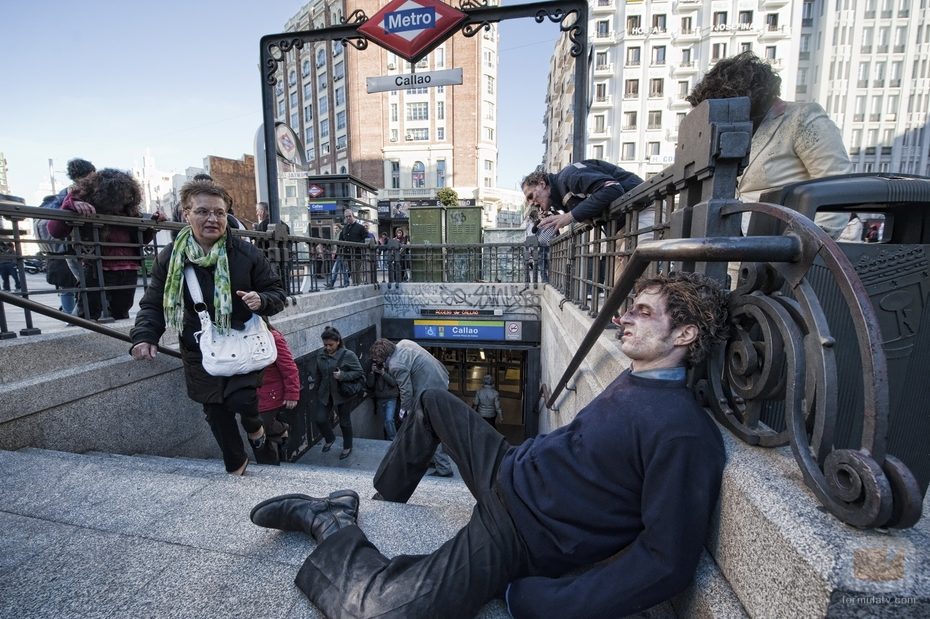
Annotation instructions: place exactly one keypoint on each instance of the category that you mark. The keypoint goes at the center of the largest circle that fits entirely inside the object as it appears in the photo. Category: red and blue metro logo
(411, 28)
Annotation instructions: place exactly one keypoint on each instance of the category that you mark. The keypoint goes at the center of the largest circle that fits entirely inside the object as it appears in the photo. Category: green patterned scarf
(187, 249)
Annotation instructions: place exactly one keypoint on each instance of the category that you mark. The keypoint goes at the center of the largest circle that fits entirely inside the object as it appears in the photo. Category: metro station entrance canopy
(411, 29)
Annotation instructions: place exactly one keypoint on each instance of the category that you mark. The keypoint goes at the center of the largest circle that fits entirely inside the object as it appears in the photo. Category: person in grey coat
(415, 371)
(488, 402)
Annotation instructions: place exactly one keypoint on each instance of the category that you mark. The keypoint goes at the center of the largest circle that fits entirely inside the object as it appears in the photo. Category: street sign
(314, 191)
(449, 77)
(458, 329)
(294, 175)
(410, 28)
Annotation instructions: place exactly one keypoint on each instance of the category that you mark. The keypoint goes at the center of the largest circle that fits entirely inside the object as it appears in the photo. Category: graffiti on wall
(509, 298)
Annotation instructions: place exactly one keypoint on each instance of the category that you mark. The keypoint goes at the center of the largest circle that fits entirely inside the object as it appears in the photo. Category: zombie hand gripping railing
(780, 346)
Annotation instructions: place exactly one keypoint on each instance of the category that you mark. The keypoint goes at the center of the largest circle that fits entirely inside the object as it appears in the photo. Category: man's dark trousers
(346, 576)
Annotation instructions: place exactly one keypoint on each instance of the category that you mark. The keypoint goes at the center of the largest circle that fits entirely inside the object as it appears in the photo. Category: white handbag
(236, 352)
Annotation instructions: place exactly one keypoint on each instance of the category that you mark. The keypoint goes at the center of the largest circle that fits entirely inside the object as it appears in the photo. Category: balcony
(882, 49)
(898, 49)
(807, 22)
(631, 95)
(687, 36)
(874, 118)
(601, 132)
(880, 83)
(862, 84)
(604, 69)
(894, 83)
(602, 102)
(604, 6)
(865, 49)
(772, 32)
(678, 102)
(684, 67)
(684, 6)
(771, 4)
(801, 89)
(858, 118)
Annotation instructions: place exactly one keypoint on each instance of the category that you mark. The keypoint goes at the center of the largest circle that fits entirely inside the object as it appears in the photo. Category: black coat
(248, 270)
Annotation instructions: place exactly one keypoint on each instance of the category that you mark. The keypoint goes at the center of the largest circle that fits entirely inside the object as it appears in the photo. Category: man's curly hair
(112, 192)
(79, 168)
(745, 75)
(536, 177)
(692, 299)
(381, 350)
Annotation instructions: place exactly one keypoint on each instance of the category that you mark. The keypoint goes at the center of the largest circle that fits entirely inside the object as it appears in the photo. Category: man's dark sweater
(638, 470)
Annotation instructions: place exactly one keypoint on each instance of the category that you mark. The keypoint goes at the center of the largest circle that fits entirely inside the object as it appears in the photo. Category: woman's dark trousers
(222, 420)
(346, 576)
(344, 413)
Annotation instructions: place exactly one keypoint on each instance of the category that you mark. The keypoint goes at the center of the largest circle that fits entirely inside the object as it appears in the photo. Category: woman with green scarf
(236, 280)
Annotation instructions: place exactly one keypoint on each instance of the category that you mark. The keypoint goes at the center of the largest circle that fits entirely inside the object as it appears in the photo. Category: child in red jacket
(280, 390)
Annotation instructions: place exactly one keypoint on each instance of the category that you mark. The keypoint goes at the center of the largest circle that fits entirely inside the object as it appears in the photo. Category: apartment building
(869, 70)
(410, 141)
(864, 61)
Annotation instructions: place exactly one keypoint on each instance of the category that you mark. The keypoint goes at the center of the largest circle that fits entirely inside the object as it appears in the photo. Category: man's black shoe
(318, 518)
(438, 474)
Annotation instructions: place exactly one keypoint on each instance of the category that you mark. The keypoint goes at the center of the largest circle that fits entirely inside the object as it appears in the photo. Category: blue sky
(106, 80)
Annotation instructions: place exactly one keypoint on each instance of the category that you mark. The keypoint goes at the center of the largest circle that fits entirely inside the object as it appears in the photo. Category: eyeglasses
(205, 213)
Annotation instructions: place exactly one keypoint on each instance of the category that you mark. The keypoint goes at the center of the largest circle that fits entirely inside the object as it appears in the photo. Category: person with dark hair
(8, 266)
(581, 191)
(383, 388)
(603, 517)
(791, 141)
(79, 168)
(236, 281)
(346, 260)
(108, 192)
(338, 372)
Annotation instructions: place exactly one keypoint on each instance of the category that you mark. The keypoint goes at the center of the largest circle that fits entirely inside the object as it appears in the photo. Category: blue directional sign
(458, 329)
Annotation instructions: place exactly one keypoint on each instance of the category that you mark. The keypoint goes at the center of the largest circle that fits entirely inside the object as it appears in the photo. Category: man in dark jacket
(582, 191)
(601, 518)
(383, 387)
(354, 231)
(488, 402)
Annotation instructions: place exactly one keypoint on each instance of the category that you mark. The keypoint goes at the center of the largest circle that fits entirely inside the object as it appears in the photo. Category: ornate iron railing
(780, 352)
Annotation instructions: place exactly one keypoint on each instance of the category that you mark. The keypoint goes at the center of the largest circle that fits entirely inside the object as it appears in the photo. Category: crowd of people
(602, 517)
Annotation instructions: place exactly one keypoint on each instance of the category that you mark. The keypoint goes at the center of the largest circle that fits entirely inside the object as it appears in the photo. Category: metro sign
(411, 28)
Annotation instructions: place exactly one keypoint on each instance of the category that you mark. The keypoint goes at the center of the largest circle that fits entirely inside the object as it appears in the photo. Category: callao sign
(411, 28)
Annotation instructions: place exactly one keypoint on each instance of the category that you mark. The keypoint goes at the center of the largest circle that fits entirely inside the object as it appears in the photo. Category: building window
(418, 175)
(629, 120)
(308, 112)
(393, 112)
(656, 87)
(599, 126)
(686, 57)
(745, 47)
(440, 110)
(323, 106)
(324, 129)
(308, 135)
(393, 135)
(770, 52)
(631, 89)
(305, 68)
(720, 18)
(311, 154)
(686, 27)
(395, 175)
(490, 85)
(337, 48)
(488, 58)
(718, 51)
(654, 120)
(633, 56)
(292, 78)
(628, 151)
(417, 135)
(771, 21)
(603, 29)
(320, 57)
(440, 133)
(440, 58)
(488, 110)
(440, 172)
(597, 151)
(600, 91)
(652, 149)
(295, 119)
(341, 142)
(658, 22)
(488, 165)
(339, 71)
(600, 60)
(308, 90)
(745, 18)
(658, 55)
(340, 120)
(416, 91)
(293, 99)
(324, 148)
(634, 24)
(340, 95)
(683, 89)
(321, 81)
(418, 111)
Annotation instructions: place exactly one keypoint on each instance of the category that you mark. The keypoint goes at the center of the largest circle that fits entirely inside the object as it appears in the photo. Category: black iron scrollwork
(781, 349)
(355, 18)
(575, 29)
(276, 51)
(473, 4)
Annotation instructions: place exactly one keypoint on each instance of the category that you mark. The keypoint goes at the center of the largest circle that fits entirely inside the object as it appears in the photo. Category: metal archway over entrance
(570, 15)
